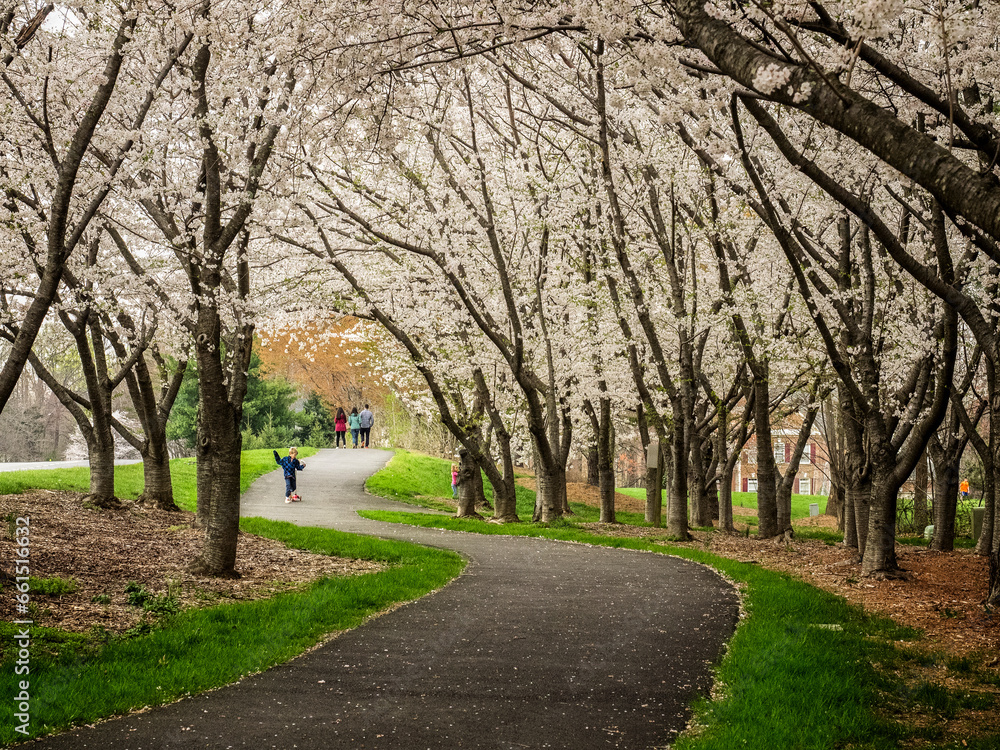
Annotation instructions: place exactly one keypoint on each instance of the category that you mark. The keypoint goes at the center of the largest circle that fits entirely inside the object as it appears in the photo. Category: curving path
(538, 644)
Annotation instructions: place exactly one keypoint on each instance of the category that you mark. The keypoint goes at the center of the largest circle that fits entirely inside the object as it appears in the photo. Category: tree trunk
(221, 391)
(654, 495)
(696, 485)
(879, 557)
(606, 459)
(467, 471)
(203, 473)
(990, 528)
(835, 504)
(158, 491)
(946, 482)
(677, 518)
(504, 490)
(593, 468)
(222, 489)
(101, 455)
(767, 506)
(920, 495)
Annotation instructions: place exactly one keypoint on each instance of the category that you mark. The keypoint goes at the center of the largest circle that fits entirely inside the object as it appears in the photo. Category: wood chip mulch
(104, 550)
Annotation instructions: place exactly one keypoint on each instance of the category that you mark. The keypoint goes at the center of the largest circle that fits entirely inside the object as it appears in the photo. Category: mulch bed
(103, 550)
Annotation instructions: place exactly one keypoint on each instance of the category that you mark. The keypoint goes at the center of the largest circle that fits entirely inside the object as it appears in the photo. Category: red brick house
(813, 476)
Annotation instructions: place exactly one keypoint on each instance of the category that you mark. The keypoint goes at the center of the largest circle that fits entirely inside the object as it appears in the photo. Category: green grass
(51, 586)
(79, 678)
(129, 479)
(784, 682)
(424, 481)
(800, 503)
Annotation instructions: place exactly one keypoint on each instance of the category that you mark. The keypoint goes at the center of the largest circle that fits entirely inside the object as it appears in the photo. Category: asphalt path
(538, 644)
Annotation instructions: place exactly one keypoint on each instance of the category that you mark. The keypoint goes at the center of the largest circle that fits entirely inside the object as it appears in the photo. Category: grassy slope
(785, 681)
(75, 679)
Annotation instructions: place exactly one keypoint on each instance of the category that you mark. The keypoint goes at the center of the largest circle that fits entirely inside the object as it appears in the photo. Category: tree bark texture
(767, 505)
(606, 463)
(467, 471)
(920, 495)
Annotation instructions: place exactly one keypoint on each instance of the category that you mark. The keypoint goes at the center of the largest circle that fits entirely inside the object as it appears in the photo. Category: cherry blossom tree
(69, 131)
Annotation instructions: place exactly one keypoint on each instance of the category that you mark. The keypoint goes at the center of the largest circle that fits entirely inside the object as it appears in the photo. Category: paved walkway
(538, 644)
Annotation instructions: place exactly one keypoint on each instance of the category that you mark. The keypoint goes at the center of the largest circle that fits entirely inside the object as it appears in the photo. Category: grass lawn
(800, 672)
(80, 678)
(800, 503)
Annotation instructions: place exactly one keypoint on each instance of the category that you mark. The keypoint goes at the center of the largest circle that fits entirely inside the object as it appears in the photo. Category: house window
(779, 452)
(752, 455)
(807, 458)
(805, 486)
(751, 485)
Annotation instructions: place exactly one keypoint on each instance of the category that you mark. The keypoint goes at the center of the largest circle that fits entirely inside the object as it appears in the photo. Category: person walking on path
(340, 427)
(354, 422)
(454, 481)
(964, 488)
(290, 464)
(367, 420)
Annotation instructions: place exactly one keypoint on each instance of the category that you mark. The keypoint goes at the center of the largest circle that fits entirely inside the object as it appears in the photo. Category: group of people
(360, 425)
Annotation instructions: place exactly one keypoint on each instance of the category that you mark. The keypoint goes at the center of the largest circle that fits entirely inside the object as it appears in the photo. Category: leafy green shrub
(162, 605)
(101, 599)
(136, 594)
(52, 586)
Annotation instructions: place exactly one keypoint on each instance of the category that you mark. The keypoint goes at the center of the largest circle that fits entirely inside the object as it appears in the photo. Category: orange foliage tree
(335, 358)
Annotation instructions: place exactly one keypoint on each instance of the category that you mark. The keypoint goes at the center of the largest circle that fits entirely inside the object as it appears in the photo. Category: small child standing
(454, 480)
(290, 464)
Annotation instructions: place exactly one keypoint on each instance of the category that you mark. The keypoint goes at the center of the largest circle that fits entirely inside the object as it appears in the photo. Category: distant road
(28, 465)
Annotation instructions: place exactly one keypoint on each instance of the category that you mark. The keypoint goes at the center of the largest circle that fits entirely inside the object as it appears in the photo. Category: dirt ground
(943, 593)
(104, 550)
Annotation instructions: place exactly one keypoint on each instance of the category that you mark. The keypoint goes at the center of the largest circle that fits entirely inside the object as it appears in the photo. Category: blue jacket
(288, 464)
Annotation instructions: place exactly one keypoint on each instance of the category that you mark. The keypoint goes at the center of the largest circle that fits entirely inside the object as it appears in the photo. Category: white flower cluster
(771, 77)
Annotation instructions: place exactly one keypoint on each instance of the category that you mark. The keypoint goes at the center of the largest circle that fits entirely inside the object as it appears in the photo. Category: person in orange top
(964, 488)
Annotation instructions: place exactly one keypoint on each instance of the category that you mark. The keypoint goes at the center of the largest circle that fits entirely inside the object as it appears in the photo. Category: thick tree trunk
(593, 468)
(219, 442)
(857, 475)
(835, 505)
(203, 473)
(504, 490)
(946, 482)
(696, 485)
(993, 593)
(677, 517)
(654, 490)
(859, 500)
(879, 556)
(767, 506)
(101, 454)
(158, 489)
(222, 488)
(606, 465)
(990, 529)
(467, 495)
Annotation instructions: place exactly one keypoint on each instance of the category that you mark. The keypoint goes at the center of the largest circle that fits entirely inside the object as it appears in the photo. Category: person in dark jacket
(290, 464)
(367, 421)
